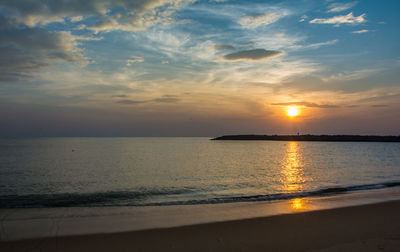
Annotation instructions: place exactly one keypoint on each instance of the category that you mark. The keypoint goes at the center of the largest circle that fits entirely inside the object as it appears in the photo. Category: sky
(198, 68)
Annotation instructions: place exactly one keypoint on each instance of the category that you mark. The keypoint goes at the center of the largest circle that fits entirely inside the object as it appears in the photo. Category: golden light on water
(292, 168)
(292, 111)
(293, 174)
(297, 204)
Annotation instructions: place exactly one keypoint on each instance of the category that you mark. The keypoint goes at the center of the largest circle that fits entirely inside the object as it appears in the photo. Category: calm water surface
(51, 172)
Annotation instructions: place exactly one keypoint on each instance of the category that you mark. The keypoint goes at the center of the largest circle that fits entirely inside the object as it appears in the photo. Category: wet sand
(374, 227)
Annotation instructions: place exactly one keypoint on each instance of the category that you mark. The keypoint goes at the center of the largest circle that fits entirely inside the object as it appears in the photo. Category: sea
(100, 175)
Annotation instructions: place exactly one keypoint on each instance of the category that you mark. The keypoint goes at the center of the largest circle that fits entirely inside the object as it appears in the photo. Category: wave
(142, 197)
(112, 198)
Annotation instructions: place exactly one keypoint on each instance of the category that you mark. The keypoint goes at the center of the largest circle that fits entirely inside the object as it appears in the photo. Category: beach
(373, 227)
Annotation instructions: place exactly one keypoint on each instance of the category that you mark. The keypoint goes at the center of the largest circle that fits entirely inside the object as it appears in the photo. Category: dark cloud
(125, 14)
(120, 96)
(166, 100)
(130, 102)
(24, 50)
(163, 99)
(379, 105)
(306, 104)
(26, 47)
(223, 47)
(13, 76)
(255, 54)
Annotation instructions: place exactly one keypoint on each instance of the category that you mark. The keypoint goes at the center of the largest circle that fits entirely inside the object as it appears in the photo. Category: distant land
(318, 138)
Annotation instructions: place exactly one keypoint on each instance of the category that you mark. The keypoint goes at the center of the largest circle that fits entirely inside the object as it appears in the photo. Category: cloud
(349, 76)
(315, 45)
(163, 99)
(378, 98)
(134, 59)
(379, 105)
(318, 45)
(25, 50)
(252, 55)
(255, 20)
(306, 104)
(266, 72)
(166, 99)
(338, 7)
(167, 42)
(120, 96)
(111, 15)
(223, 47)
(27, 47)
(337, 20)
(247, 44)
(128, 102)
(303, 18)
(76, 18)
(360, 31)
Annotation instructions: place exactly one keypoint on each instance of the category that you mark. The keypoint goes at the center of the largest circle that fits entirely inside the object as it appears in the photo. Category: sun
(292, 111)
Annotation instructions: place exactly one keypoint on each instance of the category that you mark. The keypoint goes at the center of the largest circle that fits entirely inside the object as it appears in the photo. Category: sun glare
(292, 111)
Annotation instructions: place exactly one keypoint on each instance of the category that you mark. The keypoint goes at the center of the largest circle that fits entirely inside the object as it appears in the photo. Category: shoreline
(41, 223)
(369, 227)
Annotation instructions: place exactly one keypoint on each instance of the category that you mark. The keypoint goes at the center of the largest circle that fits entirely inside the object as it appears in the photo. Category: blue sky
(198, 68)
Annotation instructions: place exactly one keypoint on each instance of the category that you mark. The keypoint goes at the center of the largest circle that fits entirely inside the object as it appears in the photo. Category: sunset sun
(292, 111)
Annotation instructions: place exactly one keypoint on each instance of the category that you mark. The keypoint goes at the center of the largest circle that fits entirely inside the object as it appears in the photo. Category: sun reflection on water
(298, 204)
(293, 174)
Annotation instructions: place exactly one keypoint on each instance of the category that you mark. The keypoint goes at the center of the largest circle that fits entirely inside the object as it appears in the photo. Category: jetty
(313, 138)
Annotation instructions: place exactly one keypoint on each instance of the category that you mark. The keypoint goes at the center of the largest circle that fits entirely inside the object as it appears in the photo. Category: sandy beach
(374, 227)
